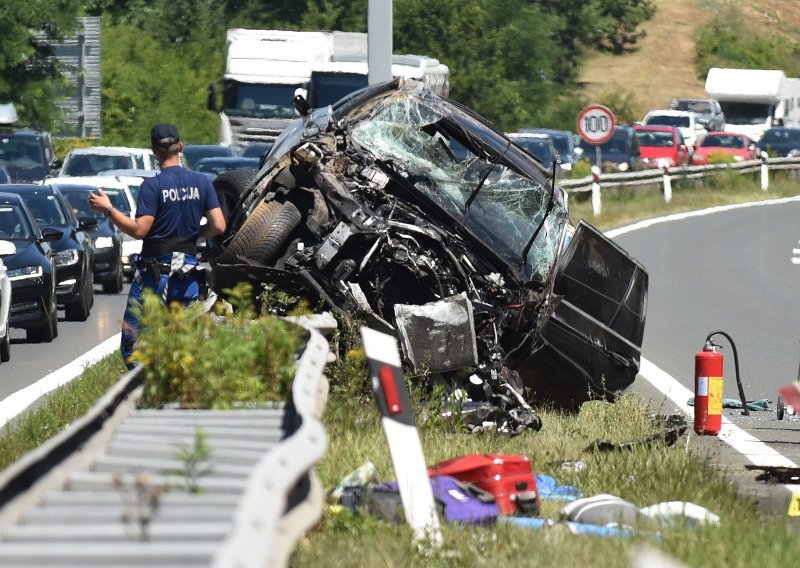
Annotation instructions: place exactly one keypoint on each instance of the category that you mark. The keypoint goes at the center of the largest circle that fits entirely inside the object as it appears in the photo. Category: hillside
(663, 68)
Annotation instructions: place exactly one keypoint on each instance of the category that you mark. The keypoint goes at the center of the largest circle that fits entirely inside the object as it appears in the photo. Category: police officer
(168, 213)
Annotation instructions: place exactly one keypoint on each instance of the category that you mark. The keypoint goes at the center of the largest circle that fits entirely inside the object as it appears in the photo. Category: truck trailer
(754, 100)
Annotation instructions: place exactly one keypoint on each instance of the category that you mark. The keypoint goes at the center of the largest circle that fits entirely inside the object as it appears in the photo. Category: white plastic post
(764, 171)
(596, 205)
(664, 165)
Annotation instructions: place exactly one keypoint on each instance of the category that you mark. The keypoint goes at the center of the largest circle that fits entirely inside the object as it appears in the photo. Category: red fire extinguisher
(708, 365)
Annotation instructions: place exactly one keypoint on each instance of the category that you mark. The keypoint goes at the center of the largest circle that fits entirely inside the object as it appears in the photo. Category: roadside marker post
(399, 426)
(664, 165)
(764, 171)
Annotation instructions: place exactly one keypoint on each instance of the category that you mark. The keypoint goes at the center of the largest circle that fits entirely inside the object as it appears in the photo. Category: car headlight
(103, 242)
(645, 160)
(738, 158)
(566, 166)
(67, 257)
(25, 272)
(623, 167)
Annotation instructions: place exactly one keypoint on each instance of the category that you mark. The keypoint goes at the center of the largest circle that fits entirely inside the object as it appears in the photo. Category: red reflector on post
(389, 387)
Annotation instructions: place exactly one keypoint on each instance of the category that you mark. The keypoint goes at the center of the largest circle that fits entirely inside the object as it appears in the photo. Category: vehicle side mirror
(212, 97)
(56, 164)
(684, 147)
(85, 223)
(50, 235)
(300, 104)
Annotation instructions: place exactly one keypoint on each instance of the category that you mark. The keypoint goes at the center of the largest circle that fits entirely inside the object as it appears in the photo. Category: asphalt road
(729, 271)
(32, 361)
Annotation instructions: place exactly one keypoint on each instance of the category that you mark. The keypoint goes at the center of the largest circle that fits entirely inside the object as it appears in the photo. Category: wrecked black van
(414, 214)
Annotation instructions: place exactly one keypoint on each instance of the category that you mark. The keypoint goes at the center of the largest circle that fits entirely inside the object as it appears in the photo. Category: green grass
(644, 477)
(58, 409)
(623, 206)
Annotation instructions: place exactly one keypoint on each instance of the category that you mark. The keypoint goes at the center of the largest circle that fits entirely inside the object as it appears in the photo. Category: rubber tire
(263, 233)
(5, 347)
(115, 286)
(230, 187)
(79, 311)
(48, 332)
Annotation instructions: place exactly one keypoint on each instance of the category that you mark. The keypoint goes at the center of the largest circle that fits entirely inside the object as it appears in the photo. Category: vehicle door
(597, 327)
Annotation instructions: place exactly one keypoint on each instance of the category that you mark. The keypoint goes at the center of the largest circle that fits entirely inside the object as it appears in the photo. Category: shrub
(203, 360)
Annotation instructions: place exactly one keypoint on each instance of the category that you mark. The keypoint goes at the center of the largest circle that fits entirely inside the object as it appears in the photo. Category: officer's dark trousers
(182, 289)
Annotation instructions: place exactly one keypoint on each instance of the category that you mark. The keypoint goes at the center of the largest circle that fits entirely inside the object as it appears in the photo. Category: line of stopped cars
(410, 212)
(53, 250)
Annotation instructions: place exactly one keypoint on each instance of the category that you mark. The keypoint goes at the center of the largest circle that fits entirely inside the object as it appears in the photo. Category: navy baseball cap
(164, 135)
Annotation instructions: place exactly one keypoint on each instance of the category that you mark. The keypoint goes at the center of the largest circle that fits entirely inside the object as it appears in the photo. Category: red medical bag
(506, 476)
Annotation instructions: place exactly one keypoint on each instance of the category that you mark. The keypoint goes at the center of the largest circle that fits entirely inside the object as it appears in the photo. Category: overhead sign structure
(596, 124)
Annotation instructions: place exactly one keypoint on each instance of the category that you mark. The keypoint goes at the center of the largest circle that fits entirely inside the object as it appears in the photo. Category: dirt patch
(662, 67)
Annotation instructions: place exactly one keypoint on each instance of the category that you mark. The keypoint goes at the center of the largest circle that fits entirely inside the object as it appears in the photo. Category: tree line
(513, 61)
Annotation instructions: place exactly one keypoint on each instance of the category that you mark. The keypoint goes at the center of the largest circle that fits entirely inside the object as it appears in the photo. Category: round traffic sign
(596, 124)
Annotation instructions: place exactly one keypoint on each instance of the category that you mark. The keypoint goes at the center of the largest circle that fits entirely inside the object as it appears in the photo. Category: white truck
(264, 69)
(754, 100)
(330, 81)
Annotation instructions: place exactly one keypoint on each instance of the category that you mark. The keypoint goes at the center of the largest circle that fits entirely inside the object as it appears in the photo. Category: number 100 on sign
(596, 124)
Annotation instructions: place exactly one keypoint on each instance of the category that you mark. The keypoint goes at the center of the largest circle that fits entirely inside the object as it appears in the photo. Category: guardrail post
(764, 171)
(664, 165)
(596, 205)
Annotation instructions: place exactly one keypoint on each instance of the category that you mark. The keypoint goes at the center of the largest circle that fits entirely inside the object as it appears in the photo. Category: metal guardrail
(655, 175)
(119, 486)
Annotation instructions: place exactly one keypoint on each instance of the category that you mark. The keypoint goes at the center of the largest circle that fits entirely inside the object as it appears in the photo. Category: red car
(728, 143)
(659, 142)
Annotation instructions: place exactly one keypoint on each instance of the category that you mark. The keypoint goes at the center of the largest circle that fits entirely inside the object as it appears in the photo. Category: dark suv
(31, 269)
(108, 268)
(28, 156)
(708, 111)
(73, 252)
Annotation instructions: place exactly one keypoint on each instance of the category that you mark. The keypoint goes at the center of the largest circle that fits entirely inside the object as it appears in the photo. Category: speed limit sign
(596, 124)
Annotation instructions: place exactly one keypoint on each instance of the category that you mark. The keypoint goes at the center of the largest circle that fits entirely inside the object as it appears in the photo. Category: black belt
(160, 247)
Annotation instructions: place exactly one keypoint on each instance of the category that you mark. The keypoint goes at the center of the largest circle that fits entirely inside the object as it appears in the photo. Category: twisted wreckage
(413, 213)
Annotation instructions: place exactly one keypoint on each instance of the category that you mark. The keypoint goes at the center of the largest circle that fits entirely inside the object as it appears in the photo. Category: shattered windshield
(443, 153)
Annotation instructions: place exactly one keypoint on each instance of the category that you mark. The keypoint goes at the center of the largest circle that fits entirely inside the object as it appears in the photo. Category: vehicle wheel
(264, 231)
(115, 286)
(230, 186)
(5, 347)
(79, 311)
(46, 333)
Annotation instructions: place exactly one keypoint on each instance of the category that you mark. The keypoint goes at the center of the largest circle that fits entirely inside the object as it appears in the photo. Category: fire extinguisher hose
(745, 410)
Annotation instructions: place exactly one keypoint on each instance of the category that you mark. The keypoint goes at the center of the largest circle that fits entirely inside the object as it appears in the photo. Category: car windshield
(249, 99)
(195, 153)
(539, 147)
(79, 201)
(93, 164)
(722, 141)
(328, 87)
(441, 152)
(562, 144)
(13, 224)
(255, 150)
(118, 199)
(781, 136)
(668, 120)
(746, 113)
(45, 207)
(24, 152)
(655, 138)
